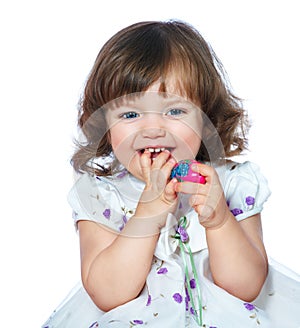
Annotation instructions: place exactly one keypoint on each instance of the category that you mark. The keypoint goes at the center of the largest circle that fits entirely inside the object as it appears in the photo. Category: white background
(47, 50)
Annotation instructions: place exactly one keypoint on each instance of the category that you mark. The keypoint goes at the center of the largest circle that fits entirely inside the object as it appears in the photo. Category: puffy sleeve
(95, 199)
(246, 189)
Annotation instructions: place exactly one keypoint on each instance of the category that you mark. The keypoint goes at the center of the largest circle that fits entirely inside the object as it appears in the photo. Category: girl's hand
(207, 199)
(159, 196)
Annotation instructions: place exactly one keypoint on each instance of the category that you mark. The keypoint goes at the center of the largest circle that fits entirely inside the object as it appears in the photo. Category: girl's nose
(153, 126)
(153, 133)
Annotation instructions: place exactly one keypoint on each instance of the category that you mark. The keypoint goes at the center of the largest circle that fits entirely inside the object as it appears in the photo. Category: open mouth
(155, 151)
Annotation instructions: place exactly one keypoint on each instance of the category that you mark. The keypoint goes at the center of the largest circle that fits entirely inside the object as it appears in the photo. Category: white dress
(170, 297)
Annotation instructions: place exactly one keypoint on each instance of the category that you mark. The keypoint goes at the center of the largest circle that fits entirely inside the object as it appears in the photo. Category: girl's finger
(196, 200)
(210, 174)
(161, 159)
(205, 212)
(168, 166)
(202, 169)
(170, 193)
(145, 161)
(192, 188)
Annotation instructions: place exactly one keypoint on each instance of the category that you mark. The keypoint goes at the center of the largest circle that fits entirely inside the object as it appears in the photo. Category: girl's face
(153, 120)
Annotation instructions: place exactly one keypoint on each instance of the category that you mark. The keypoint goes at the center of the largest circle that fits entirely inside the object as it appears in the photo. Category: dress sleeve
(94, 199)
(246, 190)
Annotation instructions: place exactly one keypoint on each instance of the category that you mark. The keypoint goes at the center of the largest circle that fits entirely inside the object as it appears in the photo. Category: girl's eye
(175, 112)
(130, 115)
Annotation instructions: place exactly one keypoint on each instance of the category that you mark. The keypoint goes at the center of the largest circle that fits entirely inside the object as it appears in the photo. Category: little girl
(157, 251)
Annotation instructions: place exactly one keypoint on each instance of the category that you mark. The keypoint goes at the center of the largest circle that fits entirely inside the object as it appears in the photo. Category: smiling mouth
(155, 151)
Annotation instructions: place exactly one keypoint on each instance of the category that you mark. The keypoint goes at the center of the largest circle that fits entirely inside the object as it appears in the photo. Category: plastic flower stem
(182, 245)
(187, 278)
(196, 280)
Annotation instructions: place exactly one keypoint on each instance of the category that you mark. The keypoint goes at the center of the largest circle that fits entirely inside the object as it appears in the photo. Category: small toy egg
(182, 172)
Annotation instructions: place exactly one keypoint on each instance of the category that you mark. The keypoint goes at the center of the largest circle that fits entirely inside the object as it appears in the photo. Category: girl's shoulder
(110, 201)
(245, 187)
(121, 183)
(239, 171)
(232, 168)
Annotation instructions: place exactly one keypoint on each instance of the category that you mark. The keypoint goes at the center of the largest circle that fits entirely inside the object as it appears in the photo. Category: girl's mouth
(155, 151)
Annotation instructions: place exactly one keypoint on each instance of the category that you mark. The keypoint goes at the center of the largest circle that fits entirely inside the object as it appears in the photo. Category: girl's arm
(115, 266)
(237, 254)
(238, 258)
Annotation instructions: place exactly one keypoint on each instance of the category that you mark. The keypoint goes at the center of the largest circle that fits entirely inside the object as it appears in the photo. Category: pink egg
(182, 172)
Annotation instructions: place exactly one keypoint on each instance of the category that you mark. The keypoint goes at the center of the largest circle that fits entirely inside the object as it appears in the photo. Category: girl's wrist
(141, 226)
(216, 222)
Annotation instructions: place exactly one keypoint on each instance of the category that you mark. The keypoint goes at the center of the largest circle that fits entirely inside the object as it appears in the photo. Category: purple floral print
(249, 306)
(94, 325)
(138, 322)
(183, 234)
(122, 174)
(187, 295)
(187, 299)
(124, 219)
(250, 200)
(177, 298)
(186, 304)
(149, 300)
(107, 213)
(162, 270)
(193, 283)
(237, 211)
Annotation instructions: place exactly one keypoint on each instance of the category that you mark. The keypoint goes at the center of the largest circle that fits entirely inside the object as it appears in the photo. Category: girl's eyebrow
(139, 103)
(174, 101)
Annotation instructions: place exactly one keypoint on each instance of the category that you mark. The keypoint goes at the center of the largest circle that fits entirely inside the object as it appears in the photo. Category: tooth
(156, 150)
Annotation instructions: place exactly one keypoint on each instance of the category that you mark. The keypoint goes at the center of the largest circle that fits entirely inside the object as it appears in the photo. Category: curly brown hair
(142, 54)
